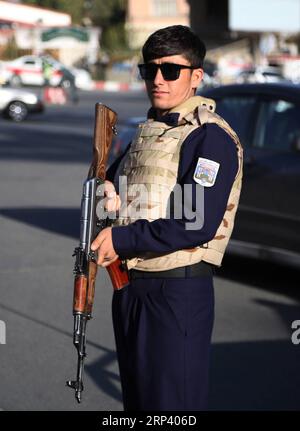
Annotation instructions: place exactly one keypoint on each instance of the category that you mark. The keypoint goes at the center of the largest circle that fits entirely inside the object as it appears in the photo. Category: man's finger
(109, 188)
(110, 261)
(110, 194)
(101, 257)
(98, 241)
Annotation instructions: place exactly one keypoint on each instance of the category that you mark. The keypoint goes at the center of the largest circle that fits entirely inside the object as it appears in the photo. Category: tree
(75, 7)
(110, 15)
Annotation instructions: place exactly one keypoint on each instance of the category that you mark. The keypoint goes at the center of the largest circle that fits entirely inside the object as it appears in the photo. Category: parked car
(267, 119)
(16, 104)
(28, 70)
(261, 74)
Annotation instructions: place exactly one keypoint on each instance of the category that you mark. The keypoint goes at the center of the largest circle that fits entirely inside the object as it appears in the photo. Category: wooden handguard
(80, 294)
(84, 291)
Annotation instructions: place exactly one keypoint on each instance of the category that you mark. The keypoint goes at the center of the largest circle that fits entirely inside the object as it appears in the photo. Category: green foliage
(73, 7)
(110, 15)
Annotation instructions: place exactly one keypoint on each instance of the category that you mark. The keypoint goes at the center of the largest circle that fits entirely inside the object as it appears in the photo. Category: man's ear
(197, 76)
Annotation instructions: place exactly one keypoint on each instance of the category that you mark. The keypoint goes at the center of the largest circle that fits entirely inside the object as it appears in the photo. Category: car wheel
(66, 83)
(15, 81)
(16, 111)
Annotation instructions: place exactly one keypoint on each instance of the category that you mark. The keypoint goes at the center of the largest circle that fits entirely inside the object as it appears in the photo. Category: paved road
(43, 164)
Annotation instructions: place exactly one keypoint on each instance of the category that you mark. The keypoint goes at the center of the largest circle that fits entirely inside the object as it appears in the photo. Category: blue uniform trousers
(163, 334)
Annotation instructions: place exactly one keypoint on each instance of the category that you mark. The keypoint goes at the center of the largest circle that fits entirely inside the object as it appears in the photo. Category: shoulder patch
(206, 172)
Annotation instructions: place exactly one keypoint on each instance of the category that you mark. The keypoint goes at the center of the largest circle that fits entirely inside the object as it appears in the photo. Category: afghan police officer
(163, 319)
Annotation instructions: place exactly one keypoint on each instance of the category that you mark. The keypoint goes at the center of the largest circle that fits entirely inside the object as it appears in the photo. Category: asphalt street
(43, 163)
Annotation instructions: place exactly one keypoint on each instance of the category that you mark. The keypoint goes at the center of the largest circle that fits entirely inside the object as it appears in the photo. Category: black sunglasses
(170, 71)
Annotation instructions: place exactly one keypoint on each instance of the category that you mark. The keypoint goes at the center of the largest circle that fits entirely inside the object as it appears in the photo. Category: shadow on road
(61, 221)
(260, 375)
(40, 145)
(275, 278)
(98, 370)
(70, 140)
(106, 380)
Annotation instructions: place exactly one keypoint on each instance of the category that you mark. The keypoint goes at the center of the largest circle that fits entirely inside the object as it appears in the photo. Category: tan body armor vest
(151, 167)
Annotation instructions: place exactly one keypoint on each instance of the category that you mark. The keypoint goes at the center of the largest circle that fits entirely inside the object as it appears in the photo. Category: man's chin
(160, 105)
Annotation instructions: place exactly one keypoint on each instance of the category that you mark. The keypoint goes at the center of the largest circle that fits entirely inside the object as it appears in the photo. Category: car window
(31, 62)
(278, 125)
(271, 74)
(239, 112)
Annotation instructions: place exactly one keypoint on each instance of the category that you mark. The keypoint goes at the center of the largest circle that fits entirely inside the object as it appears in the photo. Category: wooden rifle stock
(105, 126)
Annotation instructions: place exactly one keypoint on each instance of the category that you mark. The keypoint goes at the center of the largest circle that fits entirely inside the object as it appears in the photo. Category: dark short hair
(175, 40)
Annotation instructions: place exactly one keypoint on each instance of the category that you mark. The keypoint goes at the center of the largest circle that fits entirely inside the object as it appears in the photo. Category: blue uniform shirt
(167, 235)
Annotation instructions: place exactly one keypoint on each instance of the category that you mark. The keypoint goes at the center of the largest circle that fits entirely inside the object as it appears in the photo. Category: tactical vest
(150, 168)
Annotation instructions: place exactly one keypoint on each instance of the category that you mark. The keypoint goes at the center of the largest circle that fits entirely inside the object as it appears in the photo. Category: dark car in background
(267, 119)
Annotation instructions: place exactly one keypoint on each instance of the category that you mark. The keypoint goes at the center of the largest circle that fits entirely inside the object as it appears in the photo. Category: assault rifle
(85, 270)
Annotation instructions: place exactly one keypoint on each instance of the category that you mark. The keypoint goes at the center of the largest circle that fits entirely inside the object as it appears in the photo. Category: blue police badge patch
(206, 172)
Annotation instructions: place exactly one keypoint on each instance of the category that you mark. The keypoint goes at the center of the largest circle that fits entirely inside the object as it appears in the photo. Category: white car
(16, 104)
(28, 70)
(260, 75)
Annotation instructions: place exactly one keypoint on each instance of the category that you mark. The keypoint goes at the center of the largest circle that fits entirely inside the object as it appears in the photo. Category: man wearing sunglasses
(163, 319)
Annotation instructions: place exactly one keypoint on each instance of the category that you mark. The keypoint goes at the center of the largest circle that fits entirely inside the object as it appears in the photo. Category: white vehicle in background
(260, 75)
(16, 104)
(28, 70)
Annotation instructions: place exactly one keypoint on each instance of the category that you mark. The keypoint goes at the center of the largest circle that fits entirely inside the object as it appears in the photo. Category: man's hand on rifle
(103, 242)
(112, 201)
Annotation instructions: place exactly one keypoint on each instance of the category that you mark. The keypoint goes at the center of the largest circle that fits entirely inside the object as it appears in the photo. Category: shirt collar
(171, 119)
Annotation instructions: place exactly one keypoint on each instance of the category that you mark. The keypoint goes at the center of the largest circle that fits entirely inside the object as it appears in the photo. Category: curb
(118, 86)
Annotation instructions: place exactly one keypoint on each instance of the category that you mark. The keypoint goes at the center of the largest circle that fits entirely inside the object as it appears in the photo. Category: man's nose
(158, 77)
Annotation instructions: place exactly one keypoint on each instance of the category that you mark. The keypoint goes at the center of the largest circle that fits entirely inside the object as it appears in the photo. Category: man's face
(165, 95)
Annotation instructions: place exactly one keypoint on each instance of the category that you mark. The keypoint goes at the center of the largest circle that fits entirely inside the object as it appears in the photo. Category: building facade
(146, 16)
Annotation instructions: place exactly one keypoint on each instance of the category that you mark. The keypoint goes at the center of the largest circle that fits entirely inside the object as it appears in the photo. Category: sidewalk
(118, 86)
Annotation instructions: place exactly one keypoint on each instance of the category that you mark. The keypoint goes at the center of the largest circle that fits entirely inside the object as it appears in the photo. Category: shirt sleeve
(167, 235)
